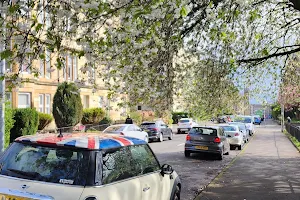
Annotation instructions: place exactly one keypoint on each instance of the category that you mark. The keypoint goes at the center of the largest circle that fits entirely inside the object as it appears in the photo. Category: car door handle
(146, 189)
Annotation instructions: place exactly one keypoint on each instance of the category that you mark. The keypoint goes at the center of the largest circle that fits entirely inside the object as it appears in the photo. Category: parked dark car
(157, 131)
(207, 140)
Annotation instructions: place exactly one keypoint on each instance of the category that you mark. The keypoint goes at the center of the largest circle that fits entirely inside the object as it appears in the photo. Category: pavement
(267, 169)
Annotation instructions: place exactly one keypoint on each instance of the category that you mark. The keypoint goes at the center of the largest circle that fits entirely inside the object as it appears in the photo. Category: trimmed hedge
(26, 123)
(67, 106)
(44, 120)
(92, 115)
(9, 123)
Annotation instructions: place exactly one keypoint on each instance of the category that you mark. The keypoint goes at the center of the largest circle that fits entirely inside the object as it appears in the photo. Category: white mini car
(235, 136)
(185, 125)
(130, 130)
(84, 166)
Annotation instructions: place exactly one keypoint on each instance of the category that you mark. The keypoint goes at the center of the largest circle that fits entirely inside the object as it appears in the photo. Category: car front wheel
(171, 136)
(176, 194)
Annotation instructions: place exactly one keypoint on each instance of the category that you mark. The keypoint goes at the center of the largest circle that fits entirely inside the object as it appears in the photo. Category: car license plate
(9, 197)
(201, 147)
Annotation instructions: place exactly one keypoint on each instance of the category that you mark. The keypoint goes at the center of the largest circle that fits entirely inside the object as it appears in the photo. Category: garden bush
(67, 105)
(26, 123)
(9, 123)
(44, 120)
(105, 120)
(92, 115)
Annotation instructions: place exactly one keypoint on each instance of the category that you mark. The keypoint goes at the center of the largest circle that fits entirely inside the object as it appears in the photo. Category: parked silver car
(236, 138)
(243, 129)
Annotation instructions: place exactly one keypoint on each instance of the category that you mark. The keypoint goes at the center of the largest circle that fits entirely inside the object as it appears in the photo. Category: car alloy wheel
(161, 138)
(177, 193)
(171, 136)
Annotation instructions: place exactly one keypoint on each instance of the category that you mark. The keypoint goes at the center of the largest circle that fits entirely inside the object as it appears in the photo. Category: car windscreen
(229, 128)
(203, 131)
(47, 164)
(243, 120)
(184, 121)
(114, 129)
(148, 125)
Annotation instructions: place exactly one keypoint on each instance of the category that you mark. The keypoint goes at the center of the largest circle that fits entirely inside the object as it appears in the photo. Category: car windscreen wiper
(23, 173)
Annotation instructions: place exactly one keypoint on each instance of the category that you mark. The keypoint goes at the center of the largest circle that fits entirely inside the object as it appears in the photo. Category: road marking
(180, 144)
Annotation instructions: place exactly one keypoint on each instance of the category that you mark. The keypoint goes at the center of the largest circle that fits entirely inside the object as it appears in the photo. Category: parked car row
(219, 140)
(149, 131)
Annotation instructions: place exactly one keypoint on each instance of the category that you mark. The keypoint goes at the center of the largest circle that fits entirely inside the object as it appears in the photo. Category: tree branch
(269, 56)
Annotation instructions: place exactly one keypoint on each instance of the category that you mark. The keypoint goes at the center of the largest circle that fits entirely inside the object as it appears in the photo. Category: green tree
(67, 106)
(9, 123)
(26, 123)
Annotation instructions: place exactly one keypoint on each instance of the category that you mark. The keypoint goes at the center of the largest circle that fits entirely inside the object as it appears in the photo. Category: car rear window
(114, 129)
(47, 164)
(148, 125)
(229, 128)
(204, 131)
(184, 121)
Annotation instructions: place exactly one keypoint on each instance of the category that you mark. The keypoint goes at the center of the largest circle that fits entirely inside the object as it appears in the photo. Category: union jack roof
(92, 141)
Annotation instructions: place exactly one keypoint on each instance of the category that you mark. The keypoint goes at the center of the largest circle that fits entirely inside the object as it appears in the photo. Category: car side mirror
(166, 169)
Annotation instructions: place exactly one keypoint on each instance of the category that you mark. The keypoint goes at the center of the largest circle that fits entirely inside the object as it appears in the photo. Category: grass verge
(295, 142)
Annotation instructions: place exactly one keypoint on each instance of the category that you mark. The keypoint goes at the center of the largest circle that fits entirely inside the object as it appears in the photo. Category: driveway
(267, 169)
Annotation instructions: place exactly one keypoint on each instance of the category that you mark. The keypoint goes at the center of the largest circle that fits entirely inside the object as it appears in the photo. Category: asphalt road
(195, 172)
(267, 169)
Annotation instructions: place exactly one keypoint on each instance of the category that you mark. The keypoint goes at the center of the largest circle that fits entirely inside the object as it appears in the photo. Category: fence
(293, 129)
(82, 128)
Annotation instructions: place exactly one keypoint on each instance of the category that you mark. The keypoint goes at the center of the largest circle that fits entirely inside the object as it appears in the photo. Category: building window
(101, 102)
(25, 65)
(24, 100)
(41, 103)
(75, 68)
(139, 107)
(45, 65)
(44, 103)
(86, 101)
(70, 69)
(8, 97)
(47, 103)
(43, 14)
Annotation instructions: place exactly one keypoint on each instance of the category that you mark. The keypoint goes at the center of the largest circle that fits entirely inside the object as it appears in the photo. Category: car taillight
(188, 137)
(217, 140)
(236, 134)
(155, 129)
(121, 133)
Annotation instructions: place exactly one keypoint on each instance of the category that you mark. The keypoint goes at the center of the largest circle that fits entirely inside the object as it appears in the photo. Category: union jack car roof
(92, 141)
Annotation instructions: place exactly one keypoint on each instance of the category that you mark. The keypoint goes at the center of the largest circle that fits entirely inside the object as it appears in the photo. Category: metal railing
(293, 129)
